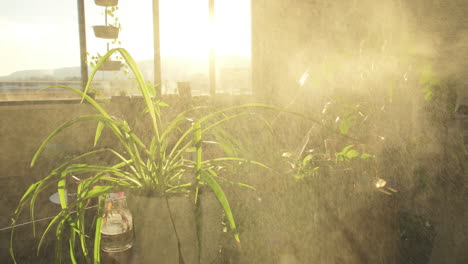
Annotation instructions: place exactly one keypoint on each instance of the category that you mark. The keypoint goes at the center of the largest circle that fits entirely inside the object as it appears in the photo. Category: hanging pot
(106, 32)
(106, 2)
(110, 65)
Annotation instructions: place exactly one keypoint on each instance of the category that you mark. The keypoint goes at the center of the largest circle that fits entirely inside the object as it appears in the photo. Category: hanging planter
(110, 65)
(106, 2)
(106, 32)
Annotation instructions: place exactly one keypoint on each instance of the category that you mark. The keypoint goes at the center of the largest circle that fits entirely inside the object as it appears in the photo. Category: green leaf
(97, 234)
(61, 190)
(191, 149)
(299, 176)
(54, 220)
(306, 160)
(345, 150)
(97, 191)
(219, 193)
(352, 154)
(366, 156)
(344, 126)
(213, 161)
(64, 126)
(427, 93)
(145, 92)
(197, 139)
(58, 236)
(29, 191)
(99, 129)
(72, 246)
(161, 103)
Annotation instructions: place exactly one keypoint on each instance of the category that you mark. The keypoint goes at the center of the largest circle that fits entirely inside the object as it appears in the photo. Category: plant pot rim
(156, 194)
(104, 26)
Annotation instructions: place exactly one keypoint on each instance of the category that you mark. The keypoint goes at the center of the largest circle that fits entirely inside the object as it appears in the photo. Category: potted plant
(106, 31)
(113, 63)
(106, 2)
(110, 29)
(108, 65)
(160, 161)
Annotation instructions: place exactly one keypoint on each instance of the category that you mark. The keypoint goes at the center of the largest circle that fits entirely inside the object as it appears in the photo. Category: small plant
(345, 127)
(440, 94)
(349, 153)
(110, 12)
(309, 163)
(116, 63)
(110, 30)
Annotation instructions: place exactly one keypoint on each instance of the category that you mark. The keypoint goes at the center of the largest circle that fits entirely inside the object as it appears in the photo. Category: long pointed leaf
(197, 137)
(219, 193)
(97, 234)
(72, 246)
(99, 129)
(62, 127)
(46, 231)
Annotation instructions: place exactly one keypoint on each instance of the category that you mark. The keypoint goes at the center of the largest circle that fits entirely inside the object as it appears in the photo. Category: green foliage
(348, 153)
(440, 95)
(428, 80)
(347, 133)
(110, 12)
(349, 117)
(168, 160)
(310, 162)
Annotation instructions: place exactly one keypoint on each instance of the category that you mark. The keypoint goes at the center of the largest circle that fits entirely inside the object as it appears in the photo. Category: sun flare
(185, 29)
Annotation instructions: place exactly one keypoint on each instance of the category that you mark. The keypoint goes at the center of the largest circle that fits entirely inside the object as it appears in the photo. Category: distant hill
(173, 68)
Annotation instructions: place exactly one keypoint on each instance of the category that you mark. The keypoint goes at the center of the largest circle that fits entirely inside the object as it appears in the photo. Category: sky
(44, 34)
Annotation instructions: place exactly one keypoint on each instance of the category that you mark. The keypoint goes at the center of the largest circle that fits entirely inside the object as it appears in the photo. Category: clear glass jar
(117, 224)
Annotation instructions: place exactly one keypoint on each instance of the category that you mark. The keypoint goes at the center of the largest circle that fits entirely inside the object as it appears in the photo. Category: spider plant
(170, 160)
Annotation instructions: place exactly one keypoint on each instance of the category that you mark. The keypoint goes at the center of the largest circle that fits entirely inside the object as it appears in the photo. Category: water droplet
(303, 78)
(379, 183)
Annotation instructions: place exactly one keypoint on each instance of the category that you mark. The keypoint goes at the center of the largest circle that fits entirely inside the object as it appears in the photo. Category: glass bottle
(117, 224)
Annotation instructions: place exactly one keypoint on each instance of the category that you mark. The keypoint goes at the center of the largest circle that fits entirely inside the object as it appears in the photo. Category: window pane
(186, 39)
(233, 46)
(184, 44)
(39, 45)
(136, 35)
